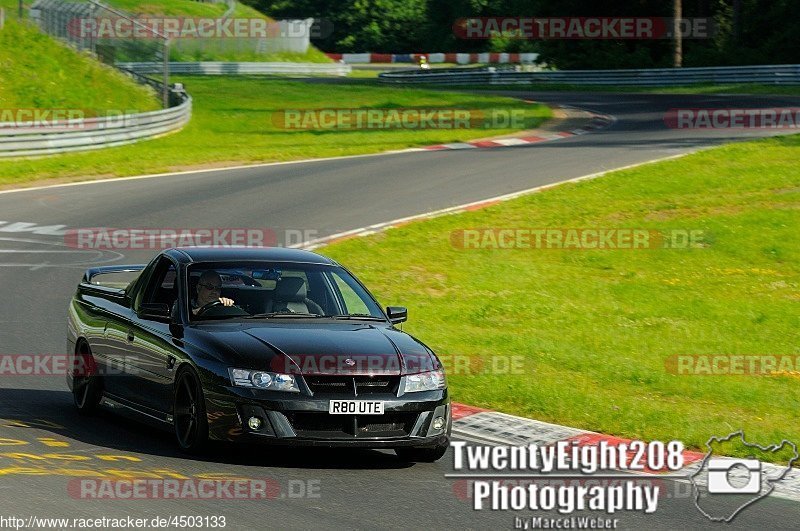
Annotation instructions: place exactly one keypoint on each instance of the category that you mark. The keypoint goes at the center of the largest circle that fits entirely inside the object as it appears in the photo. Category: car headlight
(425, 381)
(273, 381)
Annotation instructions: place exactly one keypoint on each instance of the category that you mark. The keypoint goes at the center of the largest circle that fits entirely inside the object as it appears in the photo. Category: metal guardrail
(651, 77)
(93, 133)
(240, 68)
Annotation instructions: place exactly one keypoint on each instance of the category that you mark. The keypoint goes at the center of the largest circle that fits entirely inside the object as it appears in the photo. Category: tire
(421, 455)
(189, 413)
(87, 386)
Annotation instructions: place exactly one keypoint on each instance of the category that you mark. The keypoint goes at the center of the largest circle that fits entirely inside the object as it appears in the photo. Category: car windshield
(277, 290)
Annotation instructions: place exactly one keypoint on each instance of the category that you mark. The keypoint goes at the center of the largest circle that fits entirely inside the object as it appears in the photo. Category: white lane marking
(33, 228)
(26, 251)
(95, 256)
(317, 242)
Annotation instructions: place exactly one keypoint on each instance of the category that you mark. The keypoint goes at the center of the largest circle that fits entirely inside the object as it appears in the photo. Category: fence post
(165, 84)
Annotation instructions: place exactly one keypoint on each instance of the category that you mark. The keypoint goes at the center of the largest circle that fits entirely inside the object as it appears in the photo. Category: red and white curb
(495, 428)
(434, 57)
(597, 122)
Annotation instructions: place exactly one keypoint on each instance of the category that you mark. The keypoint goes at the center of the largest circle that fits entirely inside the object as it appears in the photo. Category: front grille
(353, 385)
(323, 425)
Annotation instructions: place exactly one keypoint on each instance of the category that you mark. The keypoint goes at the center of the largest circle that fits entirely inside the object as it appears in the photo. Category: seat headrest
(291, 289)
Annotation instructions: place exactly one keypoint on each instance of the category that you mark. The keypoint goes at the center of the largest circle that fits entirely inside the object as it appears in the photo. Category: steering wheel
(205, 308)
(217, 309)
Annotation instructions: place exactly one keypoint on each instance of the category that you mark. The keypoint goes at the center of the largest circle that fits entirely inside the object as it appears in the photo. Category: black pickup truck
(272, 345)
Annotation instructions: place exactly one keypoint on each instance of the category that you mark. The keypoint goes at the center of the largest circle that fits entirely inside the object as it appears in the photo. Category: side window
(352, 302)
(163, 286)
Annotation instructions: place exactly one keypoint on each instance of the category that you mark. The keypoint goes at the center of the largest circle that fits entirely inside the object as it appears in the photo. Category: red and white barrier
(458, 58)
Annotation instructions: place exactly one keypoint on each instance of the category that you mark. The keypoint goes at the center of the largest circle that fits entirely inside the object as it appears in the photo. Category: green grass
(232, 123)
(234, 50)
(363, 74)
(36, 71)
(596, 328)
(11, 8)
(188, 8)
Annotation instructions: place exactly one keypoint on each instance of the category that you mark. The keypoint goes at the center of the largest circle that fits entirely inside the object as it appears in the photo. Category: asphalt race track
(45, 446)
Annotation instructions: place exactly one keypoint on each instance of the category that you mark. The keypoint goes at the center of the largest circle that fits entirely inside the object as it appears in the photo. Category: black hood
(331, 348)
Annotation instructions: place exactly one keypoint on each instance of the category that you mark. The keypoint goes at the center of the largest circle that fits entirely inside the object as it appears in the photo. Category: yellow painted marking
(170, 474)
(132, 473)
(76, 472)
(14, 424)
(118, 458)
(67, 457)
(23, 471)
(20, 455)
(35, 423)
(220, 476)
(49, 441)
(110, 473)
(12, 442)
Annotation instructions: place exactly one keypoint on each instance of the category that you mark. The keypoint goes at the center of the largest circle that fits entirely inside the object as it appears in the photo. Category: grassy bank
(233, 123)
(37, 71)
(596, 330)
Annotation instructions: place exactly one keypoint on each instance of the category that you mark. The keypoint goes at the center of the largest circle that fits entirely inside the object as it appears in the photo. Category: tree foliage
(745, 31)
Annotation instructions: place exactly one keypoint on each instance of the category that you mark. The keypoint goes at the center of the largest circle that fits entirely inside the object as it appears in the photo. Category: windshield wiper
(281, 314)
(360, 316)
(354, 316)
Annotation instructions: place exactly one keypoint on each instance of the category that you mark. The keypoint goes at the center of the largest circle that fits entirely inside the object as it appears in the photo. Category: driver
(208, 290)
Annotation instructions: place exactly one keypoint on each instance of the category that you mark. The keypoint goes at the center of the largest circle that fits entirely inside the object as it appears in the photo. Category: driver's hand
(226, 301)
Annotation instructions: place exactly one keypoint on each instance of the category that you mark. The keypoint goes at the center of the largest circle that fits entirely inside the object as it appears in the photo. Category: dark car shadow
(53, 411)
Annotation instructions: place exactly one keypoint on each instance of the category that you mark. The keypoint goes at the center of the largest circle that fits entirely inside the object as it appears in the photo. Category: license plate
(355, 407)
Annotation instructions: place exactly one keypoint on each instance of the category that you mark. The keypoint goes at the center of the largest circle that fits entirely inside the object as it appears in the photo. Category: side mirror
(157, 311)
(397, 314)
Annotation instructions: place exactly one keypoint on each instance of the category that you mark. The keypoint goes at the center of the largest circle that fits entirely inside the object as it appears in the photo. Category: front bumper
(302, 420)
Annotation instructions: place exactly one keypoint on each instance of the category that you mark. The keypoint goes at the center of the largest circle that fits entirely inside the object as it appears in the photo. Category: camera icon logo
(723, 487)
(721, 474)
